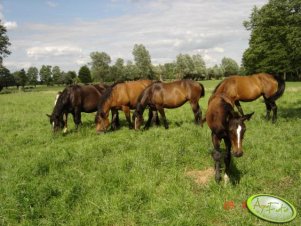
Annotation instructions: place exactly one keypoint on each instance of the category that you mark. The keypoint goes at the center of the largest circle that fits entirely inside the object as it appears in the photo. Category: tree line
(101, 69)
(274, 47)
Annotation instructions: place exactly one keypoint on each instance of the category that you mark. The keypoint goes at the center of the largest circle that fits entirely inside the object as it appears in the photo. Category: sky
(64, 32)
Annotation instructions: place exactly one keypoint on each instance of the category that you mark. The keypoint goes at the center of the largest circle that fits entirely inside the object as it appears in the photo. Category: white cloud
(52, 4)
(210, 27)
(42, 51)
(10, 25)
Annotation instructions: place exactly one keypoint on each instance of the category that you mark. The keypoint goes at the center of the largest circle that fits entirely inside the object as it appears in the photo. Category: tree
(229, 66)
(32, 75)
(4, 43)
(275, 44)
(6, 78)
(117, 71)
(184, 65)
(143, 62)
(100, 66)
(20, 78)
(199, 67)
(131, 71)
(215, 72)
(69, 77)
(45, 75)
(84, 75)
(56, 75)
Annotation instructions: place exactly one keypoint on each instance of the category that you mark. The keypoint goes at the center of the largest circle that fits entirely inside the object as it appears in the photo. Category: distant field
(148, 177)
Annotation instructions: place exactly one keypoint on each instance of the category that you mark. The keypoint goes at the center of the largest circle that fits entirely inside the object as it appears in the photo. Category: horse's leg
(268, 109)
(197, 113)
(156, 117)
(149, 120)
(274, 109)
(227, 160)
(127, 113)
(77, 117)
(237, 104)
(115, 119)
(162, 113)
(216, 155)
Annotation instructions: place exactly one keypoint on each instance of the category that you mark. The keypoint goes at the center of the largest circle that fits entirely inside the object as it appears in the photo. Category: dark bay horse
(228, 125)
(162, 95)
(76, 99)
(249, 88)
(120, 96)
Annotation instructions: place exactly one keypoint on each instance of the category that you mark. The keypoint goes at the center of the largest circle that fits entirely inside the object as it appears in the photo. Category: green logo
(271, 208)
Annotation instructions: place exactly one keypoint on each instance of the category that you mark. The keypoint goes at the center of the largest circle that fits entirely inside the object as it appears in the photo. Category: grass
(131, 177)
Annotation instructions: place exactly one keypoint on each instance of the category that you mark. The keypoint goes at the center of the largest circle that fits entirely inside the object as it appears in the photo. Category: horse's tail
(281, 87)
(202, 90)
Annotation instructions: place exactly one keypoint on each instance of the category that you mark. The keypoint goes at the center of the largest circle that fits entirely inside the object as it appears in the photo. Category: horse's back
(241, 88)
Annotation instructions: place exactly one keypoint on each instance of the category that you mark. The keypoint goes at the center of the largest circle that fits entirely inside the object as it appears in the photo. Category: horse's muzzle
(237, 154)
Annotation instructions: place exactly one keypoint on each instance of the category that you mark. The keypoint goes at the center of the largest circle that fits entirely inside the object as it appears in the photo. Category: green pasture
(129, 177)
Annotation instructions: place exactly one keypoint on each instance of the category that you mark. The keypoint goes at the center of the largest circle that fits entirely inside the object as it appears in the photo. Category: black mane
(61, 102)
(107, 93)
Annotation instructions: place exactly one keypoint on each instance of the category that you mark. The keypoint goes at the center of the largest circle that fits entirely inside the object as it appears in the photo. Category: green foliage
(129, 177)
(143, 62)
(230, 67)
(100, 66)
(4, 43)
(32, 75)
(46, 75)
(275, 41)
(57, 75)
(192, 67)
(84, 74)
(20, 78)
(6, 78)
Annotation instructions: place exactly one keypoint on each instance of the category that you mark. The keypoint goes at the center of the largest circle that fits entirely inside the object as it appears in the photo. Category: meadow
(129, 177)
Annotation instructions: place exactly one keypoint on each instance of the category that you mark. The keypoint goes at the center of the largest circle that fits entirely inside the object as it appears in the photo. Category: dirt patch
(201, 177)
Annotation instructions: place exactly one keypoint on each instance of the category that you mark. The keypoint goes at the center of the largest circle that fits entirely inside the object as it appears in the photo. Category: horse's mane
(62, 101)
(107, 94)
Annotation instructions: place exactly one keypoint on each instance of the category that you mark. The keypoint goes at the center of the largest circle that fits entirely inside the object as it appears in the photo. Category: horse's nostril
(238, 154)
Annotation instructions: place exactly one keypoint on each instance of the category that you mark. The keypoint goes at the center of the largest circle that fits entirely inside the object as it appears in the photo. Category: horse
(161, 95)
(249, 88)
(227, 125)
(76, 99)
(120, 96)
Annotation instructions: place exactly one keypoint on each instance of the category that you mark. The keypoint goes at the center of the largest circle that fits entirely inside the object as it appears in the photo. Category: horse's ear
(247, 117)
(48, 115)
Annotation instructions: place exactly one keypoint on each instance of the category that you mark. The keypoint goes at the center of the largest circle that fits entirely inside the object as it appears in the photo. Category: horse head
(56, 122)
(236, 132)
(138, 119)
(102, 121)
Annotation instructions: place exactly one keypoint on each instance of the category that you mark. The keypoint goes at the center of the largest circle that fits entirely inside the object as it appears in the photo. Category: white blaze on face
(56, 98)
(238, 135)
(52, 125)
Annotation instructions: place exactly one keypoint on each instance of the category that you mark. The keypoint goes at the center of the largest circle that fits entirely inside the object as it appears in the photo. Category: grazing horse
(249, 88)
(120, 96)
(228, 125)
(161, 95)
(76, 99)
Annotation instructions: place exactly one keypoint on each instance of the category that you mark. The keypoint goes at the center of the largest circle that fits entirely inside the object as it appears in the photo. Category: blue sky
(64, 33)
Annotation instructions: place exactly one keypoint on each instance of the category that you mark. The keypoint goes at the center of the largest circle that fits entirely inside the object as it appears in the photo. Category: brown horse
(228, 125)
(76, 99)
(120, 96)
(249, 88)
(161, 95)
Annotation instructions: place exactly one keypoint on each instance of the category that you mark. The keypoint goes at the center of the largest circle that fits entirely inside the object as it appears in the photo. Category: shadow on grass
(289, 113)
(235, 173)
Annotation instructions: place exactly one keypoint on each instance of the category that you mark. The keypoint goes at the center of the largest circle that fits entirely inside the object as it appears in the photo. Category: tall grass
(132, 177)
